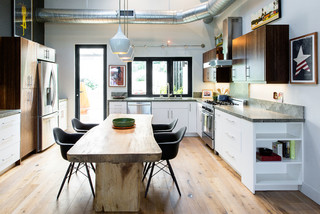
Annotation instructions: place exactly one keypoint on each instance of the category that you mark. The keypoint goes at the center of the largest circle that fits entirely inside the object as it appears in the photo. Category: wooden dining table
(119, 155)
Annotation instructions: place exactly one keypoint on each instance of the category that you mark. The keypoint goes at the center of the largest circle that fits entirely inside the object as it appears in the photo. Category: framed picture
(304, 59)
(207, 93)
(267, 14)
(22, 18)
(117, 75)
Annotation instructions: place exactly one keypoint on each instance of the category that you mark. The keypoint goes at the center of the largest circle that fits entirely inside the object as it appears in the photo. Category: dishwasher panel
(139, 107)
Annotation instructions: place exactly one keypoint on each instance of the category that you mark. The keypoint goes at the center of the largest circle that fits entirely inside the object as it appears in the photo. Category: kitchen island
(118, 154)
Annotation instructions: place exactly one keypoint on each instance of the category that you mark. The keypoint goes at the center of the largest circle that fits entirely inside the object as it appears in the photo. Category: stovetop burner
(212, 102)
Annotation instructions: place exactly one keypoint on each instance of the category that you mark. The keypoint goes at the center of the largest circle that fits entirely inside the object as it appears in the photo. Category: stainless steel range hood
(232, 28)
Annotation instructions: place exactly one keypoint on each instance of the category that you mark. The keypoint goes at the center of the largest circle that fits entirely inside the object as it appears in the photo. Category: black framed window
(150, 76)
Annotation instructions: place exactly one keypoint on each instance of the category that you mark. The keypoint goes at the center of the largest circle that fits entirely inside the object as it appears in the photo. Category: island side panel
(118, 187)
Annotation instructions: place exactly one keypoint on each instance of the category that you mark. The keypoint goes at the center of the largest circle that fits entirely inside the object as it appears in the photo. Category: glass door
(90, 85)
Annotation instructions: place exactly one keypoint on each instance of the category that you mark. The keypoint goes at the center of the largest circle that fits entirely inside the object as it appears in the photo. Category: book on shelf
(292, 149)
(273, 157)
(277, 148)
(288, 149)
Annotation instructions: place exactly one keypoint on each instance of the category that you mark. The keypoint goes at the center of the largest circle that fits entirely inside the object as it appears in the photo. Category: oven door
(208, 128)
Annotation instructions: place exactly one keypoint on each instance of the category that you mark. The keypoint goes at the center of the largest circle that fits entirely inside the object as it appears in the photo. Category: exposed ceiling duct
(203, 11)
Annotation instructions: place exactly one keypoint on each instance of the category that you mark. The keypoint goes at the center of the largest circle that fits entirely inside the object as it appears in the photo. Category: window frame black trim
(169, 73)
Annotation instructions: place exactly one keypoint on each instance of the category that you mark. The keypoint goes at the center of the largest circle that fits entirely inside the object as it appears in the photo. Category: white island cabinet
(117, 107)
(237, 141)
(9, 141)
(166, 112)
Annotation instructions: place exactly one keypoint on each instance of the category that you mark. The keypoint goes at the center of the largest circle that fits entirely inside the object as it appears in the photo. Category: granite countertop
(156, 99)
(254, 114)
(6, 113)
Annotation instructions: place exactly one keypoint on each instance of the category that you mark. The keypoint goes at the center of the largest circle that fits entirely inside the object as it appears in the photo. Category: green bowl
(123, 122)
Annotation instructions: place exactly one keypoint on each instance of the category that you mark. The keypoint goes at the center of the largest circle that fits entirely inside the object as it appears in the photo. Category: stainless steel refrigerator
(48, 105)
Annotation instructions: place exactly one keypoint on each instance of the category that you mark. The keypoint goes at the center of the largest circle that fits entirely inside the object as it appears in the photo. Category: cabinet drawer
(117, 111)
(10, 127)
(122, 105)
(9, 155)
(171, 105)
(231, 156)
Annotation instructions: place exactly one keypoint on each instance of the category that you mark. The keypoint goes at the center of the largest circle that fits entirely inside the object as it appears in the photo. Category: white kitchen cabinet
(9, 141)
(228, 138)
(117, 107)
(63, 114)
(166, 112)
(199, 119)
(237, 141)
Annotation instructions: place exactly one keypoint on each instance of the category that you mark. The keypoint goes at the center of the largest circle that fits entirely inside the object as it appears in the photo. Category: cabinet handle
(229, 135)
(190, 107)
(248, 71)
(168, 114)
(229, 155)
(171, 114)
(231, 121)
(4, 139)
(5, 159)
(233, 72)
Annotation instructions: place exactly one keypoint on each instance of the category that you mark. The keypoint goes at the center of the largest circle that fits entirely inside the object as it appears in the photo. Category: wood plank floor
(207, 183)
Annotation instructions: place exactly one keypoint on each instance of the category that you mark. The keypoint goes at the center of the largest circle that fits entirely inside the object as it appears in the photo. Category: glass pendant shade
(119, 43)
(128, 60)
(128, 55)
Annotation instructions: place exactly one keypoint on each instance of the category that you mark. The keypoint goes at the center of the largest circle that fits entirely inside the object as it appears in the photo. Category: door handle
(248, 71)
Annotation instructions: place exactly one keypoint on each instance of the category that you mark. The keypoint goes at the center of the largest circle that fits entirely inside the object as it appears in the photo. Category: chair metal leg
(173, 177)
(145, 167)
(78, 167)
(94, 169)
(64, 180)
(146, 171)
(70, 172)
(149, 181)
(89, 177)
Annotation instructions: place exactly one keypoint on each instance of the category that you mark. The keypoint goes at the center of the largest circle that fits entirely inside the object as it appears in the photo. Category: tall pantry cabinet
(18, 86)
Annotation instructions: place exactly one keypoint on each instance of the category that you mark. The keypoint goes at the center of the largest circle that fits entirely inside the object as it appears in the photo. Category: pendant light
(127, 55)
(119, 43)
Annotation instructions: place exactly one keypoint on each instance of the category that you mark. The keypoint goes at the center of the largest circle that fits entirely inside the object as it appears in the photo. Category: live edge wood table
(118, 155)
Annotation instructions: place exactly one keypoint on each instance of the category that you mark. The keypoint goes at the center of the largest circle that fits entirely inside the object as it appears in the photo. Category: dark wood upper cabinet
(211, 74)
(262, 56)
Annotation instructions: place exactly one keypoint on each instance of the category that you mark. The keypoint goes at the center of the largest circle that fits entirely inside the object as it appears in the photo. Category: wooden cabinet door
(28, 63)
(256, 49)
(239, 59)
(28, 121)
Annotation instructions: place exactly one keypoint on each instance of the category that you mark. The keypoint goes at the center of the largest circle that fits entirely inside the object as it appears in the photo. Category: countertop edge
(7, 113)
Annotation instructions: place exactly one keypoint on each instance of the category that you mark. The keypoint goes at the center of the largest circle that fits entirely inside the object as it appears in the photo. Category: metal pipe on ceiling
(89, 16)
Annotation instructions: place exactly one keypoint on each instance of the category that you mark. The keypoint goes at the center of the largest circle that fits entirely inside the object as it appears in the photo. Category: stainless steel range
(208, 117)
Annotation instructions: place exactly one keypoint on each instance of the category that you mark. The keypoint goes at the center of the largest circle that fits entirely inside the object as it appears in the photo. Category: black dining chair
(80, 127)
(164, 127)
(169, 144)
(66, 141)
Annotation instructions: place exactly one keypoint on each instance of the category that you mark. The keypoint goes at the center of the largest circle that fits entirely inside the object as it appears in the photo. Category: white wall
(63, 38)
(302, 16)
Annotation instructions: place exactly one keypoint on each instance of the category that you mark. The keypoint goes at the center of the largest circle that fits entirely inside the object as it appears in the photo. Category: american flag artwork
(301, 62)
(302, 67)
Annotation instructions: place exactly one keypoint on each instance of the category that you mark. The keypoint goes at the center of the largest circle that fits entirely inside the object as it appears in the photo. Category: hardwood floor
(207, 183)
